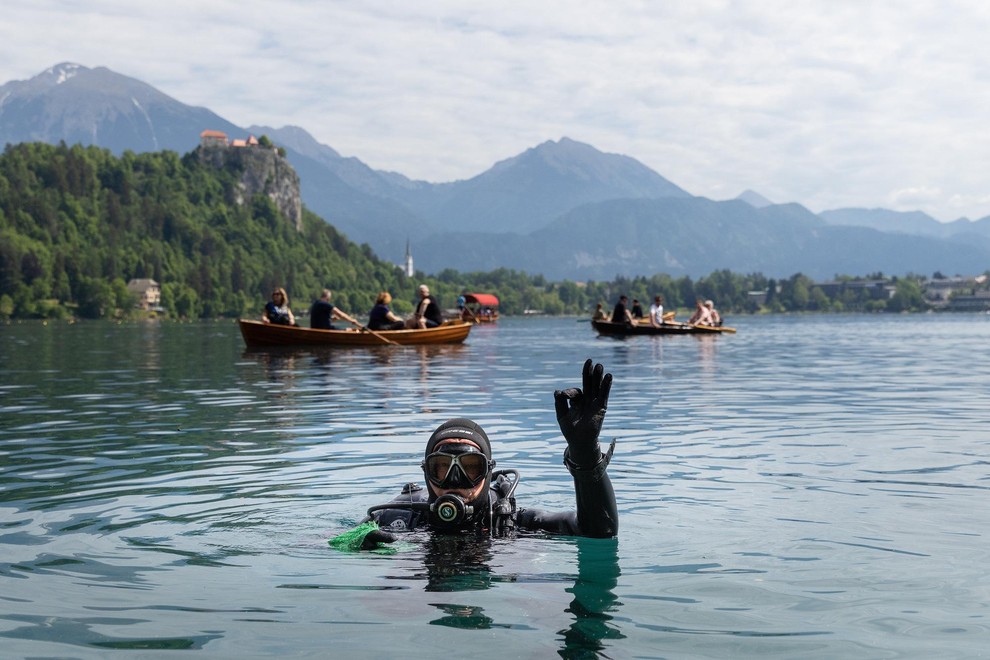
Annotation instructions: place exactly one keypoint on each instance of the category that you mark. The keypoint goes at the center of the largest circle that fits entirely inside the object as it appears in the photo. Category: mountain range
(562, 208)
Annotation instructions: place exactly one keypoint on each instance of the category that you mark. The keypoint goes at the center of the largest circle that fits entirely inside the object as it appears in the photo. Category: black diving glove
(580, 413)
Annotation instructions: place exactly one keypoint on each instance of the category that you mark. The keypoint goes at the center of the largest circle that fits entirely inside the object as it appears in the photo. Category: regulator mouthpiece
(450, 509)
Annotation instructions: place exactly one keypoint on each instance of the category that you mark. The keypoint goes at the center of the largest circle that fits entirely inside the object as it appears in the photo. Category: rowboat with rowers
(258, 334)
(609, 329)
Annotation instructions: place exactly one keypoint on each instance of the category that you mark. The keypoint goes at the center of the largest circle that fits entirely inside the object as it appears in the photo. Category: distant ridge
(529, 191)
(754, 199)
(561, 208)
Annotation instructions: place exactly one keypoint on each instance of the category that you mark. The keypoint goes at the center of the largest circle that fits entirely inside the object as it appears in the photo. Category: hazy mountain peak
(566, 150)
(62, 72)
(613, 175)
(78, 104)
(44, 81)
(754, 199)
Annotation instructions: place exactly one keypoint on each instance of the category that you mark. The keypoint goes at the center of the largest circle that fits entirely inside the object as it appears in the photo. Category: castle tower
(410, 271)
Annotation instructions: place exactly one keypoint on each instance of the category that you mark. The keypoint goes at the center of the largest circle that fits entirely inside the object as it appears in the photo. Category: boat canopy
(484, 299)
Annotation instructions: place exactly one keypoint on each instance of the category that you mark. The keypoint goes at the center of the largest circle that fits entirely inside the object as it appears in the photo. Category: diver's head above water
(458, 462)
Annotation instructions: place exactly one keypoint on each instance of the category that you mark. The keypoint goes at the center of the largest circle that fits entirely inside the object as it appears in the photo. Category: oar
(715, 328)
(365, 328)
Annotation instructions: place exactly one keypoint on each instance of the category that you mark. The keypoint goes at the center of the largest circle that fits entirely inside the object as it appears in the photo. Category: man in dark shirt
(428, 314)
(620, 313)
(322, 313)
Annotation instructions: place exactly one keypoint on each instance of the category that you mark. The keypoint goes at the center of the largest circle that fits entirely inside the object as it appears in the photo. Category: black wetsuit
(596, 514)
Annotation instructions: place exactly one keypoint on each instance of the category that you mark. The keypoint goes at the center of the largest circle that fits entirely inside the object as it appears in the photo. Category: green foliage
(76, 223)
(908, 297)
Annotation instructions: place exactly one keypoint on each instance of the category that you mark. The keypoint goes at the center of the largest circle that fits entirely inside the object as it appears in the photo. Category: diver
(465, 493)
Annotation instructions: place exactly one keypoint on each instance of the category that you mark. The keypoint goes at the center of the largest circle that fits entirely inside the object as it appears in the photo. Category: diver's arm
(402, 513)
(580, 414)
(596, 514)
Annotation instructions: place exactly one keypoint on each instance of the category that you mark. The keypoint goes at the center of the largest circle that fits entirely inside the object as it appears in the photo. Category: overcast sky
(828, 103)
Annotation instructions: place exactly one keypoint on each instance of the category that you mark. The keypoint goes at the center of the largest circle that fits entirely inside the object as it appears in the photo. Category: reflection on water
(808, 486)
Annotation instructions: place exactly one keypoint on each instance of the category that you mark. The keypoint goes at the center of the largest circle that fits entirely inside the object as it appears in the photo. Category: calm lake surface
(812, 486)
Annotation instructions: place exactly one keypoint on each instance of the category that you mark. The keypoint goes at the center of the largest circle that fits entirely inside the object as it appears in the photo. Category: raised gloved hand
(580, 413)
(375, 537)
(365, 536)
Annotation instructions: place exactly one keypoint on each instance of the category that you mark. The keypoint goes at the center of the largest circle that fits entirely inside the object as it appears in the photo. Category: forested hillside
(76, 223)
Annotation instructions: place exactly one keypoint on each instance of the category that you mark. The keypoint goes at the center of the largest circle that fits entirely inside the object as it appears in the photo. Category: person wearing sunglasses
(466, 493)
(277, 309)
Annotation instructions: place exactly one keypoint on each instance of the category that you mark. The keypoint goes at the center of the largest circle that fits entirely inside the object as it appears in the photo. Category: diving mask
(456, 466)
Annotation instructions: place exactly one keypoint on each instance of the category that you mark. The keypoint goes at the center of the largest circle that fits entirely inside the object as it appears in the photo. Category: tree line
(77, 223)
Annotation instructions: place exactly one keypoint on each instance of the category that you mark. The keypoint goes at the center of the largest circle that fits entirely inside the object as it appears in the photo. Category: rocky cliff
(262, 170)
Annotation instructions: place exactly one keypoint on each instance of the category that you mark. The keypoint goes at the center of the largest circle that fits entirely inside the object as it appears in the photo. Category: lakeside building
(148, 293)
(977, 302)
(941, 293)
(875, 289)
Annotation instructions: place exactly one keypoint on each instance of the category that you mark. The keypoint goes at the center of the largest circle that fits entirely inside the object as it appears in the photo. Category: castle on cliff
(210, 138)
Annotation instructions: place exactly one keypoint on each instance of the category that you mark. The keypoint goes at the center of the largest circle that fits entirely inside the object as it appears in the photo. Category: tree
(908, 296)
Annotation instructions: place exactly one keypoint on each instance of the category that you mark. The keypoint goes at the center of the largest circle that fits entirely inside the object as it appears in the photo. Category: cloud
(829, 104)
(918, 197)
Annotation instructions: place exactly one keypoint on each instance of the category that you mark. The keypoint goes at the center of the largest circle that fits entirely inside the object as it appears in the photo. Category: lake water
(811, 486)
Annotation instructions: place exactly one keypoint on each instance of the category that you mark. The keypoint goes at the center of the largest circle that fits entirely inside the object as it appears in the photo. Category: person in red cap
(464, 491)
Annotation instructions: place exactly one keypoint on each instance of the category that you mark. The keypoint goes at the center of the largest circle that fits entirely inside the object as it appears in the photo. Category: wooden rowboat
(257, 334)
(609, 329)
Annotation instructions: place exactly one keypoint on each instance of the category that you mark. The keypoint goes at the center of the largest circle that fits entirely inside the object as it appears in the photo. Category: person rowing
(322, 312)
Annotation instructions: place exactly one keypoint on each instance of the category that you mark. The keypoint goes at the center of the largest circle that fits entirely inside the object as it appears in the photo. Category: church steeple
(410, 271)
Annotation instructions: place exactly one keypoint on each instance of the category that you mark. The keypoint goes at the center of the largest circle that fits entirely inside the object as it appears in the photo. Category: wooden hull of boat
(609, 329)
(258, 334)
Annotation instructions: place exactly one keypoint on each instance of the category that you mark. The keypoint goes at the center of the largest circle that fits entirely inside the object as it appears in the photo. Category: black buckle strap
(593, 473)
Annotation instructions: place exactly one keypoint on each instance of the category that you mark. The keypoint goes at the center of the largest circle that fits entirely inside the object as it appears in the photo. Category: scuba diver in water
(464, 492)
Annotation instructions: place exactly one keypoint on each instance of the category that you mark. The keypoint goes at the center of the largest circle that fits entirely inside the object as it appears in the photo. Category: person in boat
(381, 317)
(427, 314)
(702, 315)
(599, 314)
(656, 312)
(714, 317)
(620, 313)
(465, 494)
(277, 309)
(323, 312)
(637, 310)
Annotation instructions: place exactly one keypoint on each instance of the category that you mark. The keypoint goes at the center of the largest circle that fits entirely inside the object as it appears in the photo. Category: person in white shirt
(656, 312)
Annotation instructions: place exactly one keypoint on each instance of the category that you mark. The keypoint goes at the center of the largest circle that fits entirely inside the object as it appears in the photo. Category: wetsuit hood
(460, 427)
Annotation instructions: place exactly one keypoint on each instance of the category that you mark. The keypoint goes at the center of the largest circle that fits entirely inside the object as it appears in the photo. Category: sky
(827, 103)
